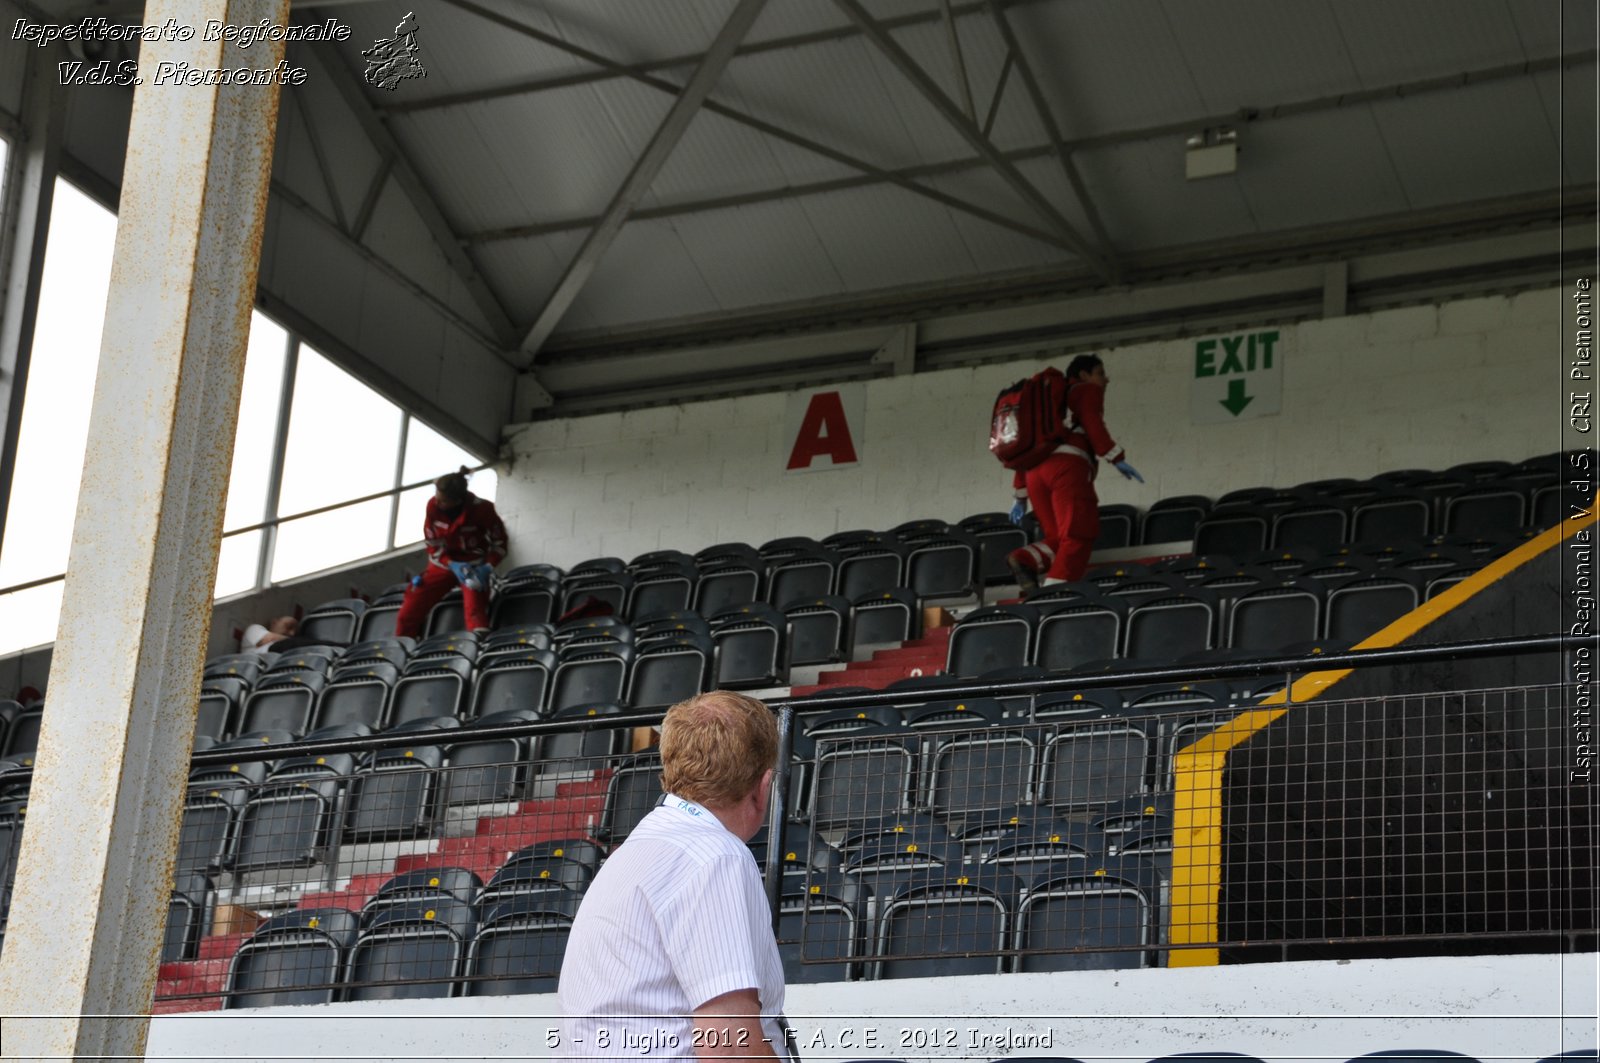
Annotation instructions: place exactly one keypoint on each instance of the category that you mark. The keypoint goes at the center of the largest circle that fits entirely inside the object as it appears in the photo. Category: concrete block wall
(1422, 386)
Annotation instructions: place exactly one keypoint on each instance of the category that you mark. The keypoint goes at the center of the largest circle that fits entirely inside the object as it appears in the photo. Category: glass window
(430, 455)
(343, 437)
(253, 439)
(55, 414)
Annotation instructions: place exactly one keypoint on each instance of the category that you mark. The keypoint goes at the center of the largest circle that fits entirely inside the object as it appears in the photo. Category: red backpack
(1027, 421)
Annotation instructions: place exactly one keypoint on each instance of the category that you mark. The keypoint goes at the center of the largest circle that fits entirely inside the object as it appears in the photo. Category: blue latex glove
(1128, 470)
(1019, 509)
(485, 573)
(464, 574)
(416, 581)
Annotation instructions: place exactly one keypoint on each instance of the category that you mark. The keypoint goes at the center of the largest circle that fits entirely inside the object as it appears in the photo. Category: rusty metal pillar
(95, 871)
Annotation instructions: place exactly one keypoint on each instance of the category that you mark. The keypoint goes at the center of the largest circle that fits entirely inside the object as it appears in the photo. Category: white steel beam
(644, 171)
(96, 865)
(29, 184)
(969, 131)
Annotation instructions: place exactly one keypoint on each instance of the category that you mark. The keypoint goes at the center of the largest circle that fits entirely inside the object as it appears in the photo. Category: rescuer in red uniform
(465, 539)
(1060, 488)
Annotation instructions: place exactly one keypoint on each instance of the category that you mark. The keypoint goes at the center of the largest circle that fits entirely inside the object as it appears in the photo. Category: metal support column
(96, 866)
(30, 185)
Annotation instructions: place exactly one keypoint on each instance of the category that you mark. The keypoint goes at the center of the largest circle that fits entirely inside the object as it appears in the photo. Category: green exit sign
(1238, 376)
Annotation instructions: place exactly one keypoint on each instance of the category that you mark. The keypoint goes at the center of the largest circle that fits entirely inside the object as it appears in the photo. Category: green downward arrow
(1237, 400)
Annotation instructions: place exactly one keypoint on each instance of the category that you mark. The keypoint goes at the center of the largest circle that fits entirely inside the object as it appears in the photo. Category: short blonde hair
(715, 747)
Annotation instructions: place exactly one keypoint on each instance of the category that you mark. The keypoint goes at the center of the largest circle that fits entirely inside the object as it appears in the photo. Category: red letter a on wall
(823, 430)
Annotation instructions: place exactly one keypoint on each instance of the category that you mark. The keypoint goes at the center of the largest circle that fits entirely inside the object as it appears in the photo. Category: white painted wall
(1492, 1008)
(1425, 386)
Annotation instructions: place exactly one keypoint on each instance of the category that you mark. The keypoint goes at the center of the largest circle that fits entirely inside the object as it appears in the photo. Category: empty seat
(727, 583)
(878, 566)
(357, 693)
(1098, 917)
(817, 629)
(751, 647)
(1174, 520)
(864, 775)
(425, 883)
(294, 958)
(377, 621)
(891, 616)
(631, 792)
(663, 584)
(1361, 607)
(998, 636)
(669, 670)
(288, 823)
(1119, 526)
(282, 700)
(411, 950)
(390, 650)
(806, 573)
(186, 917)
(513, 680)
(1089, 627)
(519, 943)
(581, 749)
(525, 874)
(333, 622)
(943, 565)
(821, 927)
(483, 770)
(1317, 525)
(221, 698)
(1172, 625)
(1486, 511)
(1276, 615)
(529, 599)
(949, 922)
(590, 673)
(1235, 532)
(1392, 516)
(430, 686)
(392, 794)
(245, 666)
(1089, 763)
(1041, 844)
(981, 769)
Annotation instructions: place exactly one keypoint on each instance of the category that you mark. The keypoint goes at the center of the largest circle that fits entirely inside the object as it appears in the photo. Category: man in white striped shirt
(672, 954)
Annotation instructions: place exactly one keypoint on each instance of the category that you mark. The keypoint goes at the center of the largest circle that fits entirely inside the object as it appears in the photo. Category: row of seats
(1476, 498)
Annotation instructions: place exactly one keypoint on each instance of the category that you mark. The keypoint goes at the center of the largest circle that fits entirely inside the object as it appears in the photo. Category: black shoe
(1027, 582)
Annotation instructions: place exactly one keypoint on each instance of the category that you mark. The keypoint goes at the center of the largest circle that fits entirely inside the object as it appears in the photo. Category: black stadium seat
(294, 958)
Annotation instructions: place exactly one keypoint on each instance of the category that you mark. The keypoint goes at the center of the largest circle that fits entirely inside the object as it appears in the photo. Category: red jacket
(475, 533)
(1085, 432)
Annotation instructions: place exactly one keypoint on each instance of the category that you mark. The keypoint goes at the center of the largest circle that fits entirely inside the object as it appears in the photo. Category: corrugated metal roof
(739, 221)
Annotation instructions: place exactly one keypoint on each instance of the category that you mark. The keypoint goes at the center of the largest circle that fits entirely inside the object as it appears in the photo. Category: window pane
(55, 412)
(330, 539)
(430, 455)
(258, 423)
(343, 439)
(28, 618)
(236, 563)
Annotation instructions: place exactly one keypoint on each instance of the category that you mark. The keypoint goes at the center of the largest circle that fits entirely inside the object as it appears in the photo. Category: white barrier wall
(1426, 386)
(1515, 1009)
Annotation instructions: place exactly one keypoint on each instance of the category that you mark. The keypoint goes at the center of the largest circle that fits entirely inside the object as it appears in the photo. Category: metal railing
(968, 826)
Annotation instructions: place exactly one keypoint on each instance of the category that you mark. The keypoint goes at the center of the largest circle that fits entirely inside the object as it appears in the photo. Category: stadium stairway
(924, 656)
(572, 812)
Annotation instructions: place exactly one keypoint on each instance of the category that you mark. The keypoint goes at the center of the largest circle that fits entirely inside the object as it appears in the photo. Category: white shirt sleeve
(707, 928)
(251, 636)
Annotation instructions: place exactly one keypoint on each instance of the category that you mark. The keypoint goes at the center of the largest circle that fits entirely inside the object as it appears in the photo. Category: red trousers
(436, 583)
(1061, 495)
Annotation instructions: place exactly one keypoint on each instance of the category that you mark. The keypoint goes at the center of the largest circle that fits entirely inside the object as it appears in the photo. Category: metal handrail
(1520, 644)
(392, 492)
